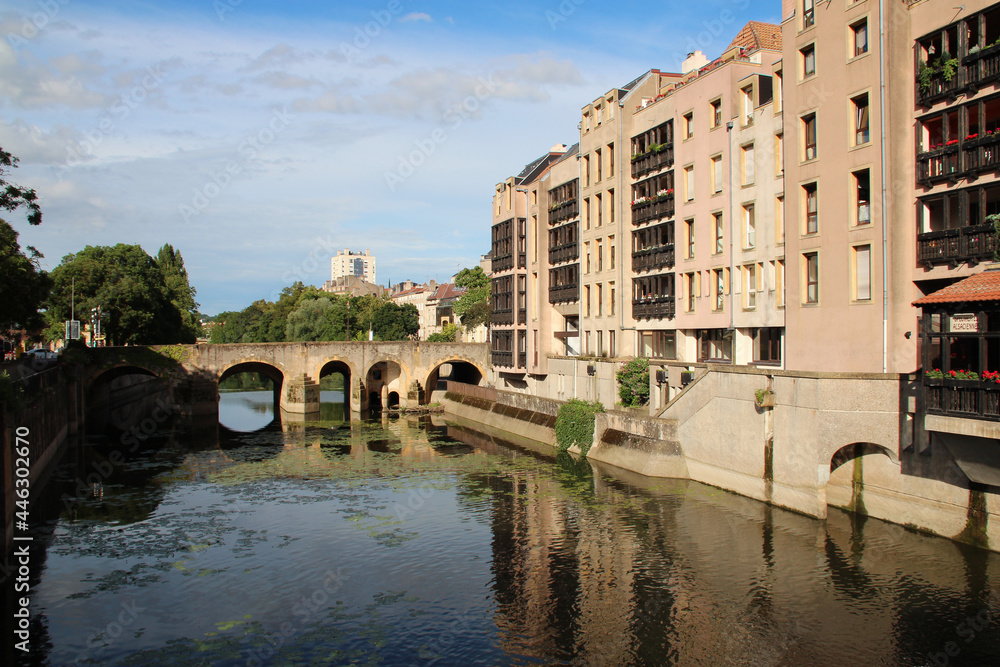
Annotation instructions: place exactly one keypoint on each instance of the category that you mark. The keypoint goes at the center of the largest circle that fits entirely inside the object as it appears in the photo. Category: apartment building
(357, 264)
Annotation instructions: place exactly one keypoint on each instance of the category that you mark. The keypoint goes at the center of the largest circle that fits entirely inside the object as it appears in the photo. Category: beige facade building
(357, 264)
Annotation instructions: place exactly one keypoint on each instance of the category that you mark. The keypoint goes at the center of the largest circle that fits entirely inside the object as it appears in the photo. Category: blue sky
(258, 138)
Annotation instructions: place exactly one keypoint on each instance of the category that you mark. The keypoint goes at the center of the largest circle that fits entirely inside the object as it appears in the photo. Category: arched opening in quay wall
(453, 370)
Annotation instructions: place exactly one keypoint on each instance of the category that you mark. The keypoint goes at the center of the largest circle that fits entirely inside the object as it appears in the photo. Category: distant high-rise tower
(347, 263)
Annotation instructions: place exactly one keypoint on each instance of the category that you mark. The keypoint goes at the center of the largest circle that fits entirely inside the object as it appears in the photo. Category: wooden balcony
(505, 359)
(564, 211)
(981, 154)
(653, 258)
(503, 263)
(654, 209)
(983, 68)
(940, 89)
(652, 161)
(564, 253)
(939, 165)
(972, 244)
(654, 308)
(564, 293)
(970, 399)
(522, 359)
(502, 316)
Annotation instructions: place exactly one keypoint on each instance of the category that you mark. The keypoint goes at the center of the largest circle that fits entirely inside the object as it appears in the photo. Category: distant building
(357, 264)
(352, 286)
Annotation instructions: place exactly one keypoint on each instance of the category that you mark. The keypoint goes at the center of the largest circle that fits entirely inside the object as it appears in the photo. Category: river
(422, 541)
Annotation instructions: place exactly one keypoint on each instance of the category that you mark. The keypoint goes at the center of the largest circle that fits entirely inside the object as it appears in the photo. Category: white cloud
(416, 16)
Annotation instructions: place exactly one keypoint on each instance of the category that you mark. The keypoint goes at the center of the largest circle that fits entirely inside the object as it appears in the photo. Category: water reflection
(426, 541)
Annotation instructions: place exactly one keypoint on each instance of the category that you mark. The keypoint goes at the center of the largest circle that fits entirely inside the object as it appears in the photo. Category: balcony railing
(522, 359)
(981, 154)
(522, 316)
(962, 398)
(502, 316)
(522, 260)
(653, 258)
(939, 165)
(938, 89)
(654, 308)
(975, 243)
(982, 68)
(564, 211)
(503, 359)
(652, 161)
(654, 209)
(503, 263)
(564, 293)
(564, 252)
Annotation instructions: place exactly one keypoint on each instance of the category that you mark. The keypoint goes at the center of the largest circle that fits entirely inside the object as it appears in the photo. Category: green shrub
(575, 424)
(11, 393)
(633, 382)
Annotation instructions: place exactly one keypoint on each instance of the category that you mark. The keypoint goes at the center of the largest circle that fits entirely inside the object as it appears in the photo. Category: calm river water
(419, 542)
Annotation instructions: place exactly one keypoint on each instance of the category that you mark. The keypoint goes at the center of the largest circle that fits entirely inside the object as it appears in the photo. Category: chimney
(694, 60)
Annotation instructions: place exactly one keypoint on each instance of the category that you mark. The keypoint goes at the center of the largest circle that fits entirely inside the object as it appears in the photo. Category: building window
(767, 345)
(717, 174)
(689, 231)
(808, 56)
(719, 278)
(779, 283)
(612, 347)
(599, 249)
(809, 192)
(717, 225)
(808, 13)
(611, 252)
(689, 183)
(688, 119)
(777, 91)
(599, 205)
(611, 302)
(810, 262)
(862, 197)
(749, 227)
(716, 112)
(599, 163)
(586, 300)
(690, 291)
(658, 344)
(861, 133)
(750, 286)
(859, 38)
(809, 135)
(586, 256)
(748, 165)
(863, 273)
(600, 299)
(748, 104)
(779, 156)
(586, 170)
(779, 220)
(715, 345)
(611, 206)
(611, 158)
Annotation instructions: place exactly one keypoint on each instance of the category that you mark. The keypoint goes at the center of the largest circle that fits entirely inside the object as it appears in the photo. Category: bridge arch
(274, 372)
(343, 366)
(124, 396)
(462, 369)
(386, 375)
(856, 450)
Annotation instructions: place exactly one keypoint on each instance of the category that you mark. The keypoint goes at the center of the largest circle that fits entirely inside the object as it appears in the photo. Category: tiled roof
(983, 286)
(757, 35)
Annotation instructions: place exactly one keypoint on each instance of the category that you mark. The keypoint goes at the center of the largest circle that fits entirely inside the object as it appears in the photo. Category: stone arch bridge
(376, 373)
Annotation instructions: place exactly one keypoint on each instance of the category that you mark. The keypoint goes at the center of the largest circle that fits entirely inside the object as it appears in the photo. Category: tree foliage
(24, 285)
(473, 307)
(308, 314)
(633, 382)
(179, 289)
(131, 289)
(446, 335)
(575, 424)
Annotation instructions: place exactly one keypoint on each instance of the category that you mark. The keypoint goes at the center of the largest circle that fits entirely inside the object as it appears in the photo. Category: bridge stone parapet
(375, 372)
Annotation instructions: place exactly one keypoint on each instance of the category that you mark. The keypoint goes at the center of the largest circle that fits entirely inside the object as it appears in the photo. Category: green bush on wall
(633, 382)
(575, 424)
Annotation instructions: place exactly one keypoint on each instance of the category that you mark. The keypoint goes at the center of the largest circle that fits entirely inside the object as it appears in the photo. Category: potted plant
(764, 398)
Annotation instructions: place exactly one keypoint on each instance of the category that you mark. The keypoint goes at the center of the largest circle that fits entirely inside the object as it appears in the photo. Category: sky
(260, 138)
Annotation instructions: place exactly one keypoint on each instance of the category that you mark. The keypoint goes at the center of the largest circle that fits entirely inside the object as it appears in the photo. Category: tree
(396, 322)
(24, 285)
(446, 335)
(473, 307)
(180, 291)
(633, 382)
(127, 284)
